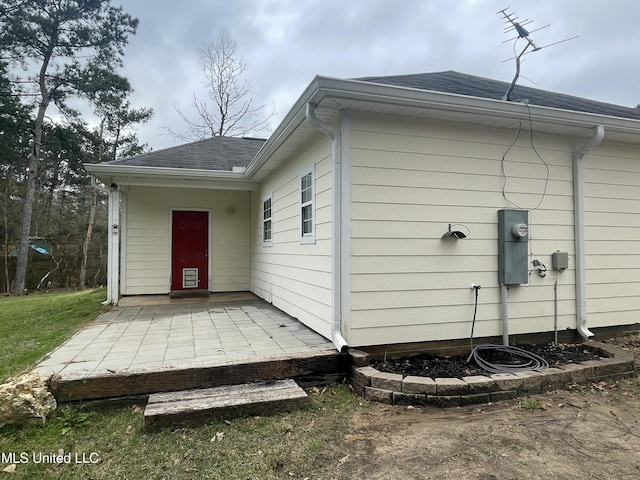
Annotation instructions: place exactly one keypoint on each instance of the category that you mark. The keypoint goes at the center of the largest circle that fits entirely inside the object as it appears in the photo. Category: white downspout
(95, 184)
(113, 246)
(336, 229)
(578, 213)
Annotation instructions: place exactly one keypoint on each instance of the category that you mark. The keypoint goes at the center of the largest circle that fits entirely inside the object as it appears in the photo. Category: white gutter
(336, 230)
(381, 94)
(134, 170)
(578, 213)
(289, 124)
(340, 94)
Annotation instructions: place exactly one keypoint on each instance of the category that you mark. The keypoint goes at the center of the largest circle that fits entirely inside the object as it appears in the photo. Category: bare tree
(229, 110)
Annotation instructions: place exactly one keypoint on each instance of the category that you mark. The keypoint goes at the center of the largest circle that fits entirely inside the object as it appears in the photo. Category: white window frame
(308, 237)
(267, 242)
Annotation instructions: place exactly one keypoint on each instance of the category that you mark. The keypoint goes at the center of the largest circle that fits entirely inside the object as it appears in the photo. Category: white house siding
(410, 178)
(148, 226)
(612, 230)
(292, 276)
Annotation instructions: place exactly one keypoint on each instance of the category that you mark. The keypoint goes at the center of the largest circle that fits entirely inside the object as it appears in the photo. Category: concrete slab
(156, 332)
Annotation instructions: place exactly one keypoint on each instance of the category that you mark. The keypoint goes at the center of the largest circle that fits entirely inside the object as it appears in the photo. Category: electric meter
(520, 230)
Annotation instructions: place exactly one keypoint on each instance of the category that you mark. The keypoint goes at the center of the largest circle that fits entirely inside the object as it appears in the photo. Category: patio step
(313, 368)
(194, 407)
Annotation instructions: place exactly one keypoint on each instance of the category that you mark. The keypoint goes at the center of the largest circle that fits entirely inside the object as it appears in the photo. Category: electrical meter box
(513, 239)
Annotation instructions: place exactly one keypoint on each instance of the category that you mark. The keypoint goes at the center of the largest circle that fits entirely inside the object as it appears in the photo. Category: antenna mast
(511, 20)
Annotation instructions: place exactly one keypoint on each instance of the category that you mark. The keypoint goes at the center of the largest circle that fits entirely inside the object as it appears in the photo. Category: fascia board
(134, 175)
(294, 118)
(411, 97)
(328, 88)
(99, 169)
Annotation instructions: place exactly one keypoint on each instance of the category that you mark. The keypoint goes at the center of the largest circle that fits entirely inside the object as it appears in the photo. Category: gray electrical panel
(513, 237)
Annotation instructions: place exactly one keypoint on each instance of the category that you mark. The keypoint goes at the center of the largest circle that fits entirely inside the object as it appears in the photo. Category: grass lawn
(303, 444)
(33, 325)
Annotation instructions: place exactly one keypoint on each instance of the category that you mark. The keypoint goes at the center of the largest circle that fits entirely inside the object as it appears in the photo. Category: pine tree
(67, 49)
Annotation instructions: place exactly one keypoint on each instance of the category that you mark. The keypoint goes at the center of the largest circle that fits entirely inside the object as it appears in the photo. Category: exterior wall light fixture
(455, 234)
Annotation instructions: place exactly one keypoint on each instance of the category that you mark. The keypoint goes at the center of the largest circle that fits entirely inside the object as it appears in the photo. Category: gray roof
(217, 153)
(224, 153)
(471, 85)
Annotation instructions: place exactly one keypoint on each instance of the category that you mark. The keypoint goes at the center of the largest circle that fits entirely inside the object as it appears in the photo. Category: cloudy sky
(287, 42)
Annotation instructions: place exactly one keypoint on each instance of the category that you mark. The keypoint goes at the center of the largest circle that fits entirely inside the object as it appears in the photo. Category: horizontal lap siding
(148, 254)
(148, 248)
(612, 226)
(409, 180)
(292, 276)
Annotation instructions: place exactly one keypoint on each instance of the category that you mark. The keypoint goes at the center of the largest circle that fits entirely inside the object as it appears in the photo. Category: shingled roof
(471, 85)
(217, 153)
(225, 153)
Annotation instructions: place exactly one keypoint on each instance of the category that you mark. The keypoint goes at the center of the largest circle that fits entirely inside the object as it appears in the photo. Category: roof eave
(98, 169)
(397, 95)
(292, 120)
(335, 89)
(130, 173)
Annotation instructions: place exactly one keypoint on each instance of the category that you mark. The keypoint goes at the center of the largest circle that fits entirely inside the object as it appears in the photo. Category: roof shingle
(471, 85)
(225, 153)
(216, 153)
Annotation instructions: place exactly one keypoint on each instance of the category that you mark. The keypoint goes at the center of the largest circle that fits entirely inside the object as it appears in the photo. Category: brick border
(393, 388)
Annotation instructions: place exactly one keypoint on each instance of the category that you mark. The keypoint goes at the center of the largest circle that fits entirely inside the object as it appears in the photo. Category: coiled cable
(529, 361)
(526, 361)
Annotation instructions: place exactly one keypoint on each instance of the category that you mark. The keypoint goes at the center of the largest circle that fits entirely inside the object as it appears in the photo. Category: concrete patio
(151, 335)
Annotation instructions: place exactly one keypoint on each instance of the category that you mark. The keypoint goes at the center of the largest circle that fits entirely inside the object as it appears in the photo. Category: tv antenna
(513, 25)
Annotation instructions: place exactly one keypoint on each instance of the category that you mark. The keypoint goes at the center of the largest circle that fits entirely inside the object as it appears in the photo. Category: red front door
(189, 250)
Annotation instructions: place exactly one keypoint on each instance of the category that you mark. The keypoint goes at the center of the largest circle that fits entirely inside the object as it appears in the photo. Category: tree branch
(230, 111)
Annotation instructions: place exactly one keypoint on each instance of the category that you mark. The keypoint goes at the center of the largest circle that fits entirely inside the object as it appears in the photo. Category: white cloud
(287, 42)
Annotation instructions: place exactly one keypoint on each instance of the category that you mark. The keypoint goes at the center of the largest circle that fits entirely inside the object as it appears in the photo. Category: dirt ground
(589, 432)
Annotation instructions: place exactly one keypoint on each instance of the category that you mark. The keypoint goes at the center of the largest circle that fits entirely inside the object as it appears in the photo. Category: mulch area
(434, 366)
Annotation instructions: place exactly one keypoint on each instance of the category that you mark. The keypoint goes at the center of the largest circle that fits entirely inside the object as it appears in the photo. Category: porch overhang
(170, 177)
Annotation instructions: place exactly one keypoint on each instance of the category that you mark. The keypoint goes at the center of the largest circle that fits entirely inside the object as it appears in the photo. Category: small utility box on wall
(513, 237)
(560, 260)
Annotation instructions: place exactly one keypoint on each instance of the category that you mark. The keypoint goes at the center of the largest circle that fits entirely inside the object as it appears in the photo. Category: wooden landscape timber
(195, 407)
(81, 387)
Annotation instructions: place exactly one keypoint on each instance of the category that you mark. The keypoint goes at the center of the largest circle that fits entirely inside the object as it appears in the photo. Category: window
(306, 207)
(266, 221)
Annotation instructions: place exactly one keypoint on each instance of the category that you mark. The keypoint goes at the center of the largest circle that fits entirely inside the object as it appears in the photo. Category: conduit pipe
(578, 213)
(336, 241)
(504, 295)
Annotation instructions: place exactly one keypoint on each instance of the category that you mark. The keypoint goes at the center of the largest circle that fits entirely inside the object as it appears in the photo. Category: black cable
(475, 310)
(546, 165)
(529, 361)
(502, 170)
